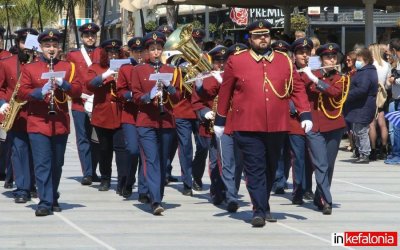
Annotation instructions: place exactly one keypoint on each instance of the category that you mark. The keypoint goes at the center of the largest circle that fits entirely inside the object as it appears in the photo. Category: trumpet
(160, 88)
(52, 110)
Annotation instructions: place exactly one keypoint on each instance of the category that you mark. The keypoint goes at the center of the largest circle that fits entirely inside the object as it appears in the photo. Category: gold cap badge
(51, 34)
(260, 25)
(155, 36)
(113, 43)
(137, 42)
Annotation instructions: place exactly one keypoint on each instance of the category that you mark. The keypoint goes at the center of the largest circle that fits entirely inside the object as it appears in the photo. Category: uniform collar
(267, 56)
(89, 48)
(155, 64)
(43, 59)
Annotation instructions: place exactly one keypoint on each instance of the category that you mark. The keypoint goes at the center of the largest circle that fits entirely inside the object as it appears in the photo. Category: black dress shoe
(318, 204)
(144, 198)
(232, 207)
(297, 201)
(280, 191)
(327, 209)
(56, 207)
(308, 195)
(8, 185)
(126, 192)
(172, 179)
(217, 199)
(157, 209)
(104, 185)
(269, 218)
(197, 185)
(187, 191)
(42, 211)
(95, 178)
(258, 221)
(21, 199)
(87, 180)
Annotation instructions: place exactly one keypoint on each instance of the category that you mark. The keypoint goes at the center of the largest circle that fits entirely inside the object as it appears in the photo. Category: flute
(201, 77)
(322, 67)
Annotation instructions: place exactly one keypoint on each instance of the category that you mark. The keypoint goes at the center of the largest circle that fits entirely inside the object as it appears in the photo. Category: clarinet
(160, 88)
(52, 110)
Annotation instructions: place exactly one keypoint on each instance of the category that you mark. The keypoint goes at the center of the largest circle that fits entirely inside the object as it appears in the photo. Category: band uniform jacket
(76, 57)
(330, 89)
(39, 120)
(183, 109)
(106, 104)
(251, 86)
(295, 123)
(129, 108)
(203, 101)
(148, 113)
(5, 54)
(8, 81)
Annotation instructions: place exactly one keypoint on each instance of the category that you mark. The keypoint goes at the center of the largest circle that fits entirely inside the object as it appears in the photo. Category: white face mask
(359, 64)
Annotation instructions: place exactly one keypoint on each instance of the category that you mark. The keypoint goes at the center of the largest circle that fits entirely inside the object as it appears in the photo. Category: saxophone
(15, 106)
(214, 109)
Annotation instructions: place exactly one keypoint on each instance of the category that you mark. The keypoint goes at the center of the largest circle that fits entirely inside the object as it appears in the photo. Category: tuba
(181, 39)
(15, 106)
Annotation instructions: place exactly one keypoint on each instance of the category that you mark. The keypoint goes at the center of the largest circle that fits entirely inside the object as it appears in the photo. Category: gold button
(267, 99)
(266, 90)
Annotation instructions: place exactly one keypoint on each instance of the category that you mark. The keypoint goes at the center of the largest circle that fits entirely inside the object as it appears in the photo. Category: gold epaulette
(240, 51)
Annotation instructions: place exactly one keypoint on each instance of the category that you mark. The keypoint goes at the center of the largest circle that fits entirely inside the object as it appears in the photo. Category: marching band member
(327, 91)
(48, 117)
(155, 122)
(21, 154)
(256, 86)
(106, 115)
(128, 120)
(83, 59)
(300, 158)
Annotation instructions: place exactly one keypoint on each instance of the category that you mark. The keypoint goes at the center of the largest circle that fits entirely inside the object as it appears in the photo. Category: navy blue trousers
(155, 146)
(200, 157)
(22, 162)
(283, 168)
(48, 159)
(132, 147)
(323, 151)
(86, 149)
(261, 152)
(231, 164)
(5, 160)
(299, 157)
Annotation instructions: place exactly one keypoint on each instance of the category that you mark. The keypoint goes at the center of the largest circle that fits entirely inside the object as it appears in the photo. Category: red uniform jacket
(39, 121)
(129, 108)
(204, 101)
(251, 86)
(330, 90)
(183, 109)
(106, 105)
(148, 114)
(8, 80)
(5, 54)
(76, 57)
(295, 123)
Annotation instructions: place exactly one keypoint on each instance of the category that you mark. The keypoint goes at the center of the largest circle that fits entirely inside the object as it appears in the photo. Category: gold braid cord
(65, 97)
(288, 85)
(336, 104)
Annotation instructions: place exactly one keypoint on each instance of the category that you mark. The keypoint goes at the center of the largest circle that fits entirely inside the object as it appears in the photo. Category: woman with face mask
(361, 102)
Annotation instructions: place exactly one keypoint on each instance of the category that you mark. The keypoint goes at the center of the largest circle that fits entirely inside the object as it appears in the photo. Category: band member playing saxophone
(87, 149)
(15, 117)
(155, 129)
(48, 134)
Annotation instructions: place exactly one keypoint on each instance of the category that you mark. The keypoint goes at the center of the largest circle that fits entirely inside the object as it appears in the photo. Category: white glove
(209, 115)
(198, 83)
(46, 88)
(306, 125)
(218, 131)
(166, 83)
(59, 81)
(153, 92)
(310, 75)
(4, 108)
(397, 81)
(108, 73)
(217, 76)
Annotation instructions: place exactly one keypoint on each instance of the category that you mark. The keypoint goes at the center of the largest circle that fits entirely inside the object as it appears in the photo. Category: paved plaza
(366, 198)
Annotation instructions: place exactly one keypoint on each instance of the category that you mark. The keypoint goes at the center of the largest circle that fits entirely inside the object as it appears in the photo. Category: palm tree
(69, 5)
